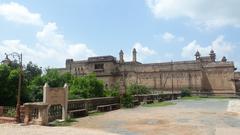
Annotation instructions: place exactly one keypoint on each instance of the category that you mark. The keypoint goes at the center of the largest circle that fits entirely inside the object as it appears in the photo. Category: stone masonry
(204, 74)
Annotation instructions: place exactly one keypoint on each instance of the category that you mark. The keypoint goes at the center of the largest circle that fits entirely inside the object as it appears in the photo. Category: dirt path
(204, 117)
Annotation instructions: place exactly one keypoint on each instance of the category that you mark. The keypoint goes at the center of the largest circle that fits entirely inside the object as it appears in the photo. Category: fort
(203, 75)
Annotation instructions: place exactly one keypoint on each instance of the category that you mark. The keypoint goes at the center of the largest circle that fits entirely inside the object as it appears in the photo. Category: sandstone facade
(204, 74)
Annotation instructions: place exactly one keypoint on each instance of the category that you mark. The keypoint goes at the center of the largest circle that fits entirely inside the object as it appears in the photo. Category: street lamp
(19, 56)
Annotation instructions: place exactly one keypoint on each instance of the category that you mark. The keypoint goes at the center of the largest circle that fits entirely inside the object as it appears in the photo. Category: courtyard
(183, 117)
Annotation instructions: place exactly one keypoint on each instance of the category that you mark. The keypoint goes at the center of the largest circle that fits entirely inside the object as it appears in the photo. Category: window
(99, 67)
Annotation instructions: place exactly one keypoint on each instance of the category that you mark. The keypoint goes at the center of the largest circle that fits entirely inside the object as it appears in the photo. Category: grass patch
(96, 113)
(159, 104)
(58, 123)
(203, 97)
(192, 98)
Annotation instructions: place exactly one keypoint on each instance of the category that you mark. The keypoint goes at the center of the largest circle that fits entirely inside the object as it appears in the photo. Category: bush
(138, 89)
(11, 112)
(186, 93)
(127, 101)
(113, 91)
(87, 86)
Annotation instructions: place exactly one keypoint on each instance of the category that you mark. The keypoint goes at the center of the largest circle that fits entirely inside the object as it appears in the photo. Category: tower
(212, 55)
(121, 59)
(197, 56)
(224, 59)
(134, 53)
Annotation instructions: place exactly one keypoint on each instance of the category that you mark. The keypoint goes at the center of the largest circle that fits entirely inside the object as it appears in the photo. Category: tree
(31, 71)
(87, 87)
(8, 85)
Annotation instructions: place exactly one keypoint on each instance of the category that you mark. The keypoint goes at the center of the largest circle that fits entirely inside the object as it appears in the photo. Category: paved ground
(201, 117)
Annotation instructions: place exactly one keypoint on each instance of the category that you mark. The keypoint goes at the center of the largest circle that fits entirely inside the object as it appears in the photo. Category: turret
(121, 59)
(224, 59)
(6, 61)
(69, 64)
(134, 53)
(212, 56)
(197, 56)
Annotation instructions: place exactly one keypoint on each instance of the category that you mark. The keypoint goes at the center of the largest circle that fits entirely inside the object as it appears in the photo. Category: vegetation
(203, 97)
(11, 112)
(127, 101)
(79, 87)
(135, 89)
(86, 87)
(159, 104)
(34, 79)
(9, 76)
(192, 98)
(96, 113)
(113, 91)
(186, 93)
(67, 122)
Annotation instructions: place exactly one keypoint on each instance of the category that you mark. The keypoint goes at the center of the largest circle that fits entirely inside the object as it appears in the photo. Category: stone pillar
(45, 89)
(42, 113)
(134, 55)
(27, 117)
(65, 106)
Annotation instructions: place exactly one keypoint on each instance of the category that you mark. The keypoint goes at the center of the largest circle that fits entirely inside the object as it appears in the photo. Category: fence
(7, 111)
(91, 103)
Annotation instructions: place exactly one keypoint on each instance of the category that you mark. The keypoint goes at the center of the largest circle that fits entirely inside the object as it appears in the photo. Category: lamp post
(19, 56)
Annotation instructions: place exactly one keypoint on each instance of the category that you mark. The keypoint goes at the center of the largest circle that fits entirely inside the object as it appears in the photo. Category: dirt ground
(187, 117)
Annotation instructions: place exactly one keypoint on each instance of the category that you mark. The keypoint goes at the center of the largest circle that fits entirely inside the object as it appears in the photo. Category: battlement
(102, 59)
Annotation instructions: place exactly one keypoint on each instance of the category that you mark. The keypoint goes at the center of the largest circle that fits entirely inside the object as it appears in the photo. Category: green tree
(87, 87)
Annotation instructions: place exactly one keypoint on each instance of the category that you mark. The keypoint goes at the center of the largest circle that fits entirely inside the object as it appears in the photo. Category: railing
(54, 112)
(91, 103)
(7, 111)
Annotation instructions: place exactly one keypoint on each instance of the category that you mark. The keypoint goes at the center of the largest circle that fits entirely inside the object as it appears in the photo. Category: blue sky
(48, 32)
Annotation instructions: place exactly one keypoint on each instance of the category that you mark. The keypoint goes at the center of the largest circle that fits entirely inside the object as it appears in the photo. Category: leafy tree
(31, 71)
(6, 94)
(87, 87)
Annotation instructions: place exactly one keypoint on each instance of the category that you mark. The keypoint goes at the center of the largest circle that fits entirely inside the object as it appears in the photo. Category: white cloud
(51, 48)
(143, 50)
(50, 36)
(219, 45)
(203, 12)
(169, 37)
(20, 14)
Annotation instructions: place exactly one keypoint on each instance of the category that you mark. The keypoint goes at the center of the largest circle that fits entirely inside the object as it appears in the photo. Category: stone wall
(198, 75)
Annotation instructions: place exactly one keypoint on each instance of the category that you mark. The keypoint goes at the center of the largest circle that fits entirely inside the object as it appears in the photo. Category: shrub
(186, 93)
(113, 91)
(87, 86)
(127, 101)
(138, 89)
(11, 112)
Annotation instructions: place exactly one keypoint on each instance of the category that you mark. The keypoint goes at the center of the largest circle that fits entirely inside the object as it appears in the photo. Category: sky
(48, 32)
